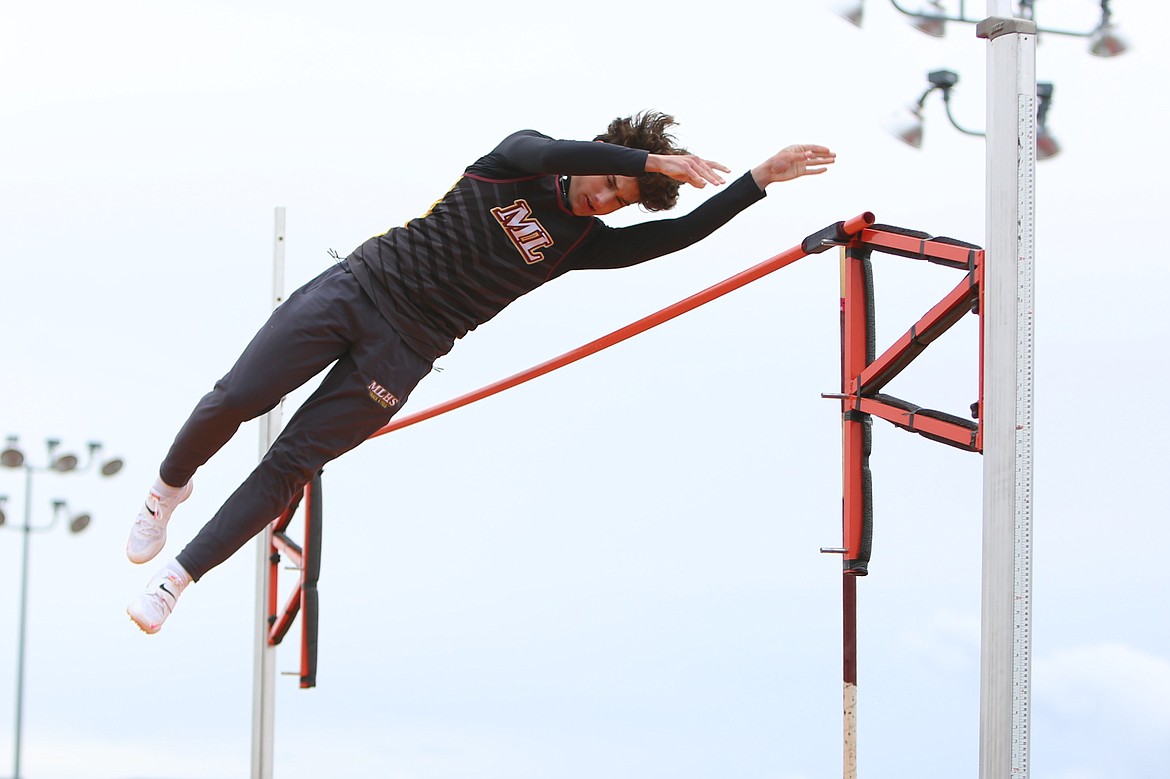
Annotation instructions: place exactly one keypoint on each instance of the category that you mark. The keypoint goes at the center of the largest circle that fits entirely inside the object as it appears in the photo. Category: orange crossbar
(845, 230)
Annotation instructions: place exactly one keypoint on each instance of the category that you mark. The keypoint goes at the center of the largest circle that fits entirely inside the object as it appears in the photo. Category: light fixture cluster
(907, 123)
(932, 18)
(1104, 39)
(58, 462)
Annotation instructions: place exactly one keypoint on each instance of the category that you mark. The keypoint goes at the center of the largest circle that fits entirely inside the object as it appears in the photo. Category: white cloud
(1111, 681)
(1099, 710)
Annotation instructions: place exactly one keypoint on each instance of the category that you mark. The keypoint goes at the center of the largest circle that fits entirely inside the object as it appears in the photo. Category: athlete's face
(597, 195)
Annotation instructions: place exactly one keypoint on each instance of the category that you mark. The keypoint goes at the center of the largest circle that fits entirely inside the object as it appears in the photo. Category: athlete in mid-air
(521, 216)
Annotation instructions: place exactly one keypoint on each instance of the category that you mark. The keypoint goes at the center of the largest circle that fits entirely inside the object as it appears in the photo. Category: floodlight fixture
(1104, 40)
(1046, 145)
(57, 464)
(62, 463)
(65, 463)
(79, 523)
(907, 123)
(12, 457)
(933, 23)
(852, 11)
(109, 467)
(1107, 42)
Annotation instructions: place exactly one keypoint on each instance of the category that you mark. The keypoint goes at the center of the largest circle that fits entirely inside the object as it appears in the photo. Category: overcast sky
(614, 570)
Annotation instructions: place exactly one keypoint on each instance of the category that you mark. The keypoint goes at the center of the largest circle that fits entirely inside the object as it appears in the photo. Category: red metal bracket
(863, 375)
(306, 561)
(863, 382)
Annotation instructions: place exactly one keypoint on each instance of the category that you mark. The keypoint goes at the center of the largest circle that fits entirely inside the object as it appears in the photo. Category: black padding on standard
(867, 491)
(901, 231)
(920, 253)
(867, 437)
(870, 311)
(963, 422)
(956, 242)
(821, 240)
(309, 679)
(867, 517)
(890, 400)
(918, 411)
(313, 541)
(860, 566)
(312, 564)
(944, 416)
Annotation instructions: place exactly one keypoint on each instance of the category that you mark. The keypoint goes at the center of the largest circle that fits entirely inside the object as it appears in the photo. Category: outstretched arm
(793, 162)
(537, 153)
(622, 247)
(787, 164)
(533, 152)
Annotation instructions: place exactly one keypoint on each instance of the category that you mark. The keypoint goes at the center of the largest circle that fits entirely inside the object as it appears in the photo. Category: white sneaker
(151, 609)
(148, 535)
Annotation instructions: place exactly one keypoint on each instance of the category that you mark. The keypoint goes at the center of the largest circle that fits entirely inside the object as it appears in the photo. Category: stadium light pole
(12, 457)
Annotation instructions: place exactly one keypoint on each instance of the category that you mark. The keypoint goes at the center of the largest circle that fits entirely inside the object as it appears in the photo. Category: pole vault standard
(264, 651)
(863, 376)
(856, 431)
(1006, 626)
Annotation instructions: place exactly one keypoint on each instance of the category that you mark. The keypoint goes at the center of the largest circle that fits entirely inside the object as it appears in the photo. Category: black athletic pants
(328, 320)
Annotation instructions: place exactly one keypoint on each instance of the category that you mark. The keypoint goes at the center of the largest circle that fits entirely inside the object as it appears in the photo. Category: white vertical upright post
(1005, 663)
(264, 667)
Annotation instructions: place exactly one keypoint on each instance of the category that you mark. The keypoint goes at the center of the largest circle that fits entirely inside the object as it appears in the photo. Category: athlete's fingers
(707, 171)
(718, 166)
(712, 167)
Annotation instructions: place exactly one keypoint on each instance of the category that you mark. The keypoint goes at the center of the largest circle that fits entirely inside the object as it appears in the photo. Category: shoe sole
(150, 631)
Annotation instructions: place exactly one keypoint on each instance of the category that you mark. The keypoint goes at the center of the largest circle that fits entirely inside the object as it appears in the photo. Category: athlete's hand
(793, 162)
(686, 168)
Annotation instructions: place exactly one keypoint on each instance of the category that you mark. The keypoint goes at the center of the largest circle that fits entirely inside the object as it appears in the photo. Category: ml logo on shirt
(527, 234)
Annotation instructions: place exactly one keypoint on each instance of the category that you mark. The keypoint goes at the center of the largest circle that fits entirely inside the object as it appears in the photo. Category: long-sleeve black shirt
(505, 228)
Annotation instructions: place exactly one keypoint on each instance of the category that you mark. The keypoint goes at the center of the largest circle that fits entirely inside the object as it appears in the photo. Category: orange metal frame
(864, 375)
(305, 559)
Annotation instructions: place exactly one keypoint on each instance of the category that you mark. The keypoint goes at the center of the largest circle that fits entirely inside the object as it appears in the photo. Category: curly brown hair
(648, 130)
